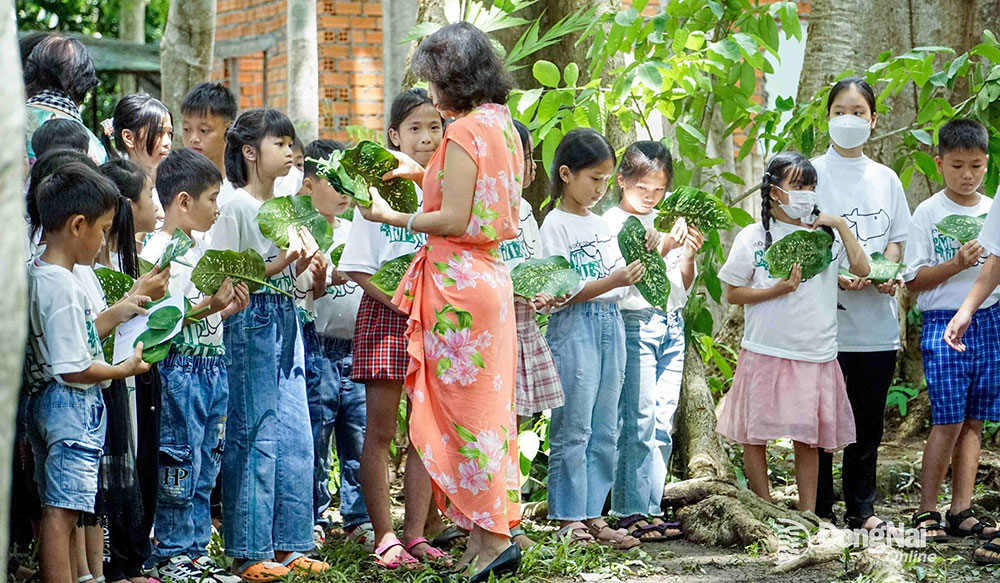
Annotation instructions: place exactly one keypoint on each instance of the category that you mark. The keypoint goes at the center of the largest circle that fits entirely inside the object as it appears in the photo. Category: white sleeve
(553, 241)
(900, 219)
(739, 266)
(919, 252)
(989, 236)
(225, 233)
(359, 252)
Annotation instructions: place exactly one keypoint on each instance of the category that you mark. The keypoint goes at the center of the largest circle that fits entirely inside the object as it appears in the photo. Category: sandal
(362, 534)
(577, 531)
(955, 526)
(436, 555)
(920, 521)
(618, 540)
(992, 547)
(261, 571)
(665, 526)
(300, 562)
(640, 531)
(403, 559)
(448, 537)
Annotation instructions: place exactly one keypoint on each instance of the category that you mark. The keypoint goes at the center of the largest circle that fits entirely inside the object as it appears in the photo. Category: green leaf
(625, 18)
(553, 275)
(810, 249)
(790, 20)
(463, 433)
(178, 245)
(698, 208)
(333, 171)
(926, 165)
(649, 75)
(157, 352)
(571, 74)
(388, 276)
(336, 254)
(216, 265)
(144, 267)
(367, 163)
(882, 269)
(115, 284)
(654, 285)
(727, 49)
(546, 73)
(962, 228)
(278, 214)
(740, 216)
(164, 318)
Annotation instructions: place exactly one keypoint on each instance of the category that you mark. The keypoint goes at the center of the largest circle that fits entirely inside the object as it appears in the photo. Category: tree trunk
(186, 53)
(131, 27)
(427, 11)
(303, 69)
(12, 237)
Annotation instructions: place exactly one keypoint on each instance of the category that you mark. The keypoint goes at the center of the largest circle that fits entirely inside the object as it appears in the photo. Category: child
(336, 403)
(143, 131)
(788, 382)
(267, 514)
(380, 357)
(587, 339)
(871, 198)
(963, 386)
(291, 183)
(206, 113)
(195, 383)
(58, 133)
(64, 367)
(136, 215)
(654, 347)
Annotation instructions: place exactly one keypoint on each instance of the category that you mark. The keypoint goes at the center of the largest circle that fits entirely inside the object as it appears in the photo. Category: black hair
(249, 129)
(297, 145)
(143, 115)
(73, 189)
(318, 150)
(130, 180)
(60, 63)
(525, 134)
(784, 165)
(27, 43)
(580, 148)
(858, 83)
(646, 157)
(402, 106)
(211, 99)
(963, 134)
(45, 166)
(60, 133)
(463, 65)
(185, 170)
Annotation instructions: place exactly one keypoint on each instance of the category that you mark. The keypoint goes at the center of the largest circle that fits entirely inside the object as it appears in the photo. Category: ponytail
(122, 232)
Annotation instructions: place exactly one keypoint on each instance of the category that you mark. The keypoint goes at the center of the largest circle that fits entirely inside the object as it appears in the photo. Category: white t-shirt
(63, 336)
(633, 300)
(589, 246)
(236, 229)
(526, 245)
(801, 325)
(871, 198)
(989, 236)
(200, 338)
(336, 312)
(371, 245)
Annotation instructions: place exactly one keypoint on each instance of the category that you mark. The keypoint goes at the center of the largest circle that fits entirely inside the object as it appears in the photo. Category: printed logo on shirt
(759, 261)
(587, 260)
(513, 249)
(401, 235)
(868, 226)
(93, 338)
(947, 247)
(341, 291)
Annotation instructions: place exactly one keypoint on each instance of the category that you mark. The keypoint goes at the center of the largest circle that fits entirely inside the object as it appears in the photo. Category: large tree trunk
(303, 69)
(131, 27)
(186, 53)
(12, 238)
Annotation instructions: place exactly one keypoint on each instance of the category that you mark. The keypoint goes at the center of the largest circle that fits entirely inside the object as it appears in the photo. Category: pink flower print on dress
(483, 519)
(459, 346)
(486, 190)
(462, 272)
(447, 483)
(479, 144)
(490, 444)
(472, 477)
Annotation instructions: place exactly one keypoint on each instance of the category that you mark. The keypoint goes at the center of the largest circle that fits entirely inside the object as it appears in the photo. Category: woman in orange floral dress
(461, 331)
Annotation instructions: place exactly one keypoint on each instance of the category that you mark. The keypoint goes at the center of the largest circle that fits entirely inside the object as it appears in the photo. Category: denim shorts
(66, 429)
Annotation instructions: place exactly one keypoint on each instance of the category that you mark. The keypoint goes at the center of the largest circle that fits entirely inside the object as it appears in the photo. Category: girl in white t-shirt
(788, 383)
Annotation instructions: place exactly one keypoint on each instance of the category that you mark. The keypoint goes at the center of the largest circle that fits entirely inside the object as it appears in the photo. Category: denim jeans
(192, 438)
(588, 345)
(266, 498)
(654, 342)
(336, 409)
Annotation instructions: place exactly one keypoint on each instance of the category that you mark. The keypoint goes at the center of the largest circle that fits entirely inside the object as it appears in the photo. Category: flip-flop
(448, 537)
(300, 562)
(403, 559)
(261, 571)
(577, 531)
(434, 554)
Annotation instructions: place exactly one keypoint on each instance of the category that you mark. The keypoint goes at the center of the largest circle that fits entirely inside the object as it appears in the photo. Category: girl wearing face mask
(871, 198)
(788, 383)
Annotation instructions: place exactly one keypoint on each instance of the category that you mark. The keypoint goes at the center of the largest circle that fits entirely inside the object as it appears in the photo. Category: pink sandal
(404, 558)
(435, 554)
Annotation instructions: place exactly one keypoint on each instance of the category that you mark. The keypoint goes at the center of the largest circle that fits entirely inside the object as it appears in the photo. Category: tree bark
(427, 11)
(131, 27)
(303, 69)
(186, 53)
(13, 301)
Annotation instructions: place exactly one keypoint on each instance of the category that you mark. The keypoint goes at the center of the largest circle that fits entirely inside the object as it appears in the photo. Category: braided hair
(780, 167)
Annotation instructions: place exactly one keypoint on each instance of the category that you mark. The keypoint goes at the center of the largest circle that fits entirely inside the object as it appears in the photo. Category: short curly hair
(465, 68)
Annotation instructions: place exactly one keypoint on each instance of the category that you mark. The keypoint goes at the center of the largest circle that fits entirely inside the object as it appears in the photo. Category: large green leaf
(654, 285)
(278, 214)
(164, 318)
(216, 265)
(388, 276)
(552, 275)
(337, 175)
(178, 245)
(144, 266)
(336, 254)
(368, 162)
(156, 353)
(810, 249)
(882, 269)
(698, 208)
(114, 283)
(961, 227)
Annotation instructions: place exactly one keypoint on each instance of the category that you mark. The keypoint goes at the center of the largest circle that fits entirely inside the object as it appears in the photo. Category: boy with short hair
(64, 363)
(336, 403)
(195, 382)
(963, 386)
(58, 133)
(206, 113)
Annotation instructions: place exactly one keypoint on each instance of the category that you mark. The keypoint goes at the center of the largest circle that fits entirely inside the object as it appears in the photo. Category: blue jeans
(654, 341)
(588, 345)
(266, 499)
(192, 438)
(336, 408)
(66, 429)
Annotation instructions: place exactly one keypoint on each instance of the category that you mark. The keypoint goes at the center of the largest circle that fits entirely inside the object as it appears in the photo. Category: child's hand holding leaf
(337, 278)
(135, 365)
(628, 275)
(852, 283)
(969, 254)
(693, 242)
(153, 283)
(128, 307)
(408, 168)
(223, 296)
(790, 284)
(241, 299)
(379, 211)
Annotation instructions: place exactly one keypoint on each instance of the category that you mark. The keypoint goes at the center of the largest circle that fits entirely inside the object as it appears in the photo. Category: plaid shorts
(538, 386)
(963, 385)
(379, 343)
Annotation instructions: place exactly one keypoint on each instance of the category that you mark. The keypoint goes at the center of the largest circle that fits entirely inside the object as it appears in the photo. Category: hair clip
(108, 126)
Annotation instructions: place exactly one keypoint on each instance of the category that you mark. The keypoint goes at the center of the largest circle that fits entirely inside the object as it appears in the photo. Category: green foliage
(962, 228)
(159, 333)
(178, 245)
(336, 254)
(281, 213)
(114, 283)
(552, 275)
(388, 276)
(654, 285)
(367, 162)
(900, 395)
(333, 170)
(216, 265)
(882, 269)
(810, 249)
(697, 207)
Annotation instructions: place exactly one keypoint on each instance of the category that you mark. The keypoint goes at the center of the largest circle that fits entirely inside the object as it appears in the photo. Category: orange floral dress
(461, 333)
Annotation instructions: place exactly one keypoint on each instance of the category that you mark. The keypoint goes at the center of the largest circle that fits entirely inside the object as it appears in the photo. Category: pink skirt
(774, 398)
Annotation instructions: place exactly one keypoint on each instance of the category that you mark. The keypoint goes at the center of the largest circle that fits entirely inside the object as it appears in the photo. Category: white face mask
(801, 204)
(849, 131)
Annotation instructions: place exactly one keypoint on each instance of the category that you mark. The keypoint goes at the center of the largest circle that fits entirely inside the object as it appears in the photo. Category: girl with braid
(788, 383)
